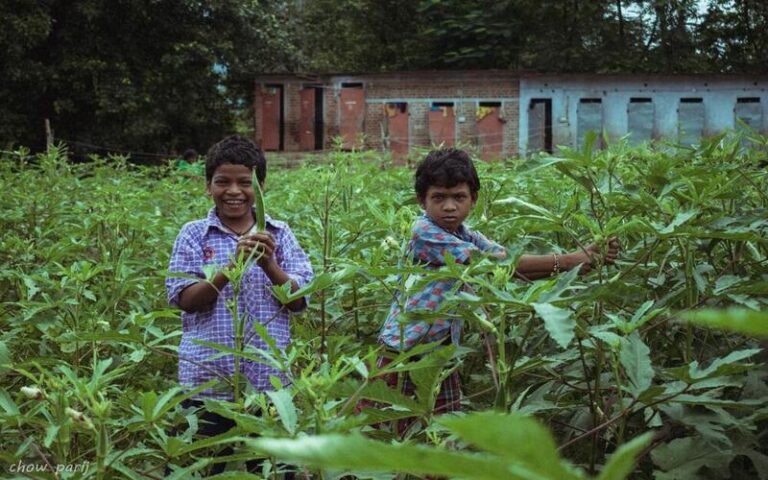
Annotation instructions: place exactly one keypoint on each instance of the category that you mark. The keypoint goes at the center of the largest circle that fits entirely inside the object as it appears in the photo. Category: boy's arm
(202, 295)
(187, 293)
(533, 267)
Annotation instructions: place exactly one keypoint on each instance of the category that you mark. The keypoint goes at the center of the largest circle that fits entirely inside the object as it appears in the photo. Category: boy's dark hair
(446, 167)
(236, 150)
(190, 154)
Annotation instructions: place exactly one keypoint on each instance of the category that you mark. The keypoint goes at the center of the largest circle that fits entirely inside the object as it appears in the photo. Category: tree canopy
(164, 75)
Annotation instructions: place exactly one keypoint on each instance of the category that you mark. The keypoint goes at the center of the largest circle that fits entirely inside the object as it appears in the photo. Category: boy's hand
(262, 243)
(594, 255)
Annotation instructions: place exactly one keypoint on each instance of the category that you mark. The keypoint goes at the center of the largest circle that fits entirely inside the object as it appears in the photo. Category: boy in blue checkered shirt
(447, 186)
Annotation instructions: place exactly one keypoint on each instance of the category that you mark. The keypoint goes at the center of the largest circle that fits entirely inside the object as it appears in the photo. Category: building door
(397, 128)
(540, 125)
(640, 120)
(589, 118)
(272, 117)
(490, 130)
(442, 124)
(690, 120)
(352, 113)
(307, 119)
(749, 112)
(319, 115)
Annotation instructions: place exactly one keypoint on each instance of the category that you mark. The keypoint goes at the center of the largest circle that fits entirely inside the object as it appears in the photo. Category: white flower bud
(32, 393)
(79, 417)
(389, 242)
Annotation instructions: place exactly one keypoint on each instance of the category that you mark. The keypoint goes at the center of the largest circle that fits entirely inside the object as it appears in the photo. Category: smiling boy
(446, 187)
(216, 241)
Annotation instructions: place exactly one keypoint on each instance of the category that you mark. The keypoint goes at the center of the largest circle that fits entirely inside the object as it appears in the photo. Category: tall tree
(144, 75)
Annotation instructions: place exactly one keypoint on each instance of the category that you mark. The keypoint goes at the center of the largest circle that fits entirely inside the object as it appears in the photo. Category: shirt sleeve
(186, 260)
(295, 261)
(488, 246)
(430, 244)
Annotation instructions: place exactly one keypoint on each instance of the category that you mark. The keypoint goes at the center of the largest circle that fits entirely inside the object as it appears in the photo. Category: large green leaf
(635, 357)
(286, 410)
(355, 452)
(515, 438)
(558, 321)
(738, 320)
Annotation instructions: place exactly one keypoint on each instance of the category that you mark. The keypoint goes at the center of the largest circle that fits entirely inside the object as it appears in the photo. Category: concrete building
(560, 109)
(500, 113)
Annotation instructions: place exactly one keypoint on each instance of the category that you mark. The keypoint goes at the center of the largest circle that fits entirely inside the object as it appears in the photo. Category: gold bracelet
(556, 266)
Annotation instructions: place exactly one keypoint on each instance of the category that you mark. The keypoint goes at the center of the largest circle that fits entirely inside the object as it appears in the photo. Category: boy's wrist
(567, 262)
(271, 267)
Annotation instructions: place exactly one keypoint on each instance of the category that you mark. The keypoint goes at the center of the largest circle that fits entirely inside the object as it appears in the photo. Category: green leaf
(378, 391)
(718, 367)
(709, 400)
(185, 472)
(748, 322)
(635, 357)
(683, 458)
(428, 379)
(236, 476)
(8, 404)
(286, 410)
(679, 219)
(622, 462)
(355, 452)
(515, 438)
(5, 358)
(50, 435)
(558, 322)
(258, 204)
(522, 203)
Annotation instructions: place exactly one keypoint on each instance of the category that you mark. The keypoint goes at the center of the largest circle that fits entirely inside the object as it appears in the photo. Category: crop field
(610, 375)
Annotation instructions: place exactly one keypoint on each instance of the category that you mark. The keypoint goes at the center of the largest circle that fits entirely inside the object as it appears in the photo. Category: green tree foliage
(362, 35)
(546, 35)
(155, 76)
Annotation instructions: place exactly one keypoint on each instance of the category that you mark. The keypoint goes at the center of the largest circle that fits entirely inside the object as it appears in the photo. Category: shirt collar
(460, 233)
(213, 221)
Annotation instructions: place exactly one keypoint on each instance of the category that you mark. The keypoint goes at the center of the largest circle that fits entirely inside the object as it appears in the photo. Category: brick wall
(419, 89)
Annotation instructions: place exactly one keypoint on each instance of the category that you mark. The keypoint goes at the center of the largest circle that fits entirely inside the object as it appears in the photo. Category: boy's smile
(448, 206)
(231, 188)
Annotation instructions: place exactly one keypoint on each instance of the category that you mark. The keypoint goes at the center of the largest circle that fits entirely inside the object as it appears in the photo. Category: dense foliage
(87, 343)
(137, 76)
(681, 36)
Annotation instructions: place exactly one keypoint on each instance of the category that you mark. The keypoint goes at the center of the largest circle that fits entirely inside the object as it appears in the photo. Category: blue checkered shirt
(429, 245)
(209, 242)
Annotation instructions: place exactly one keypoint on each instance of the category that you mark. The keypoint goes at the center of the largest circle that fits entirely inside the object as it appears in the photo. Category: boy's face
(231, 188)
(448, 207)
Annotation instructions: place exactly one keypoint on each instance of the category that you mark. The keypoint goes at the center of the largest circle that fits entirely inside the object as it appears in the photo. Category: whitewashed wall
(719, 95)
